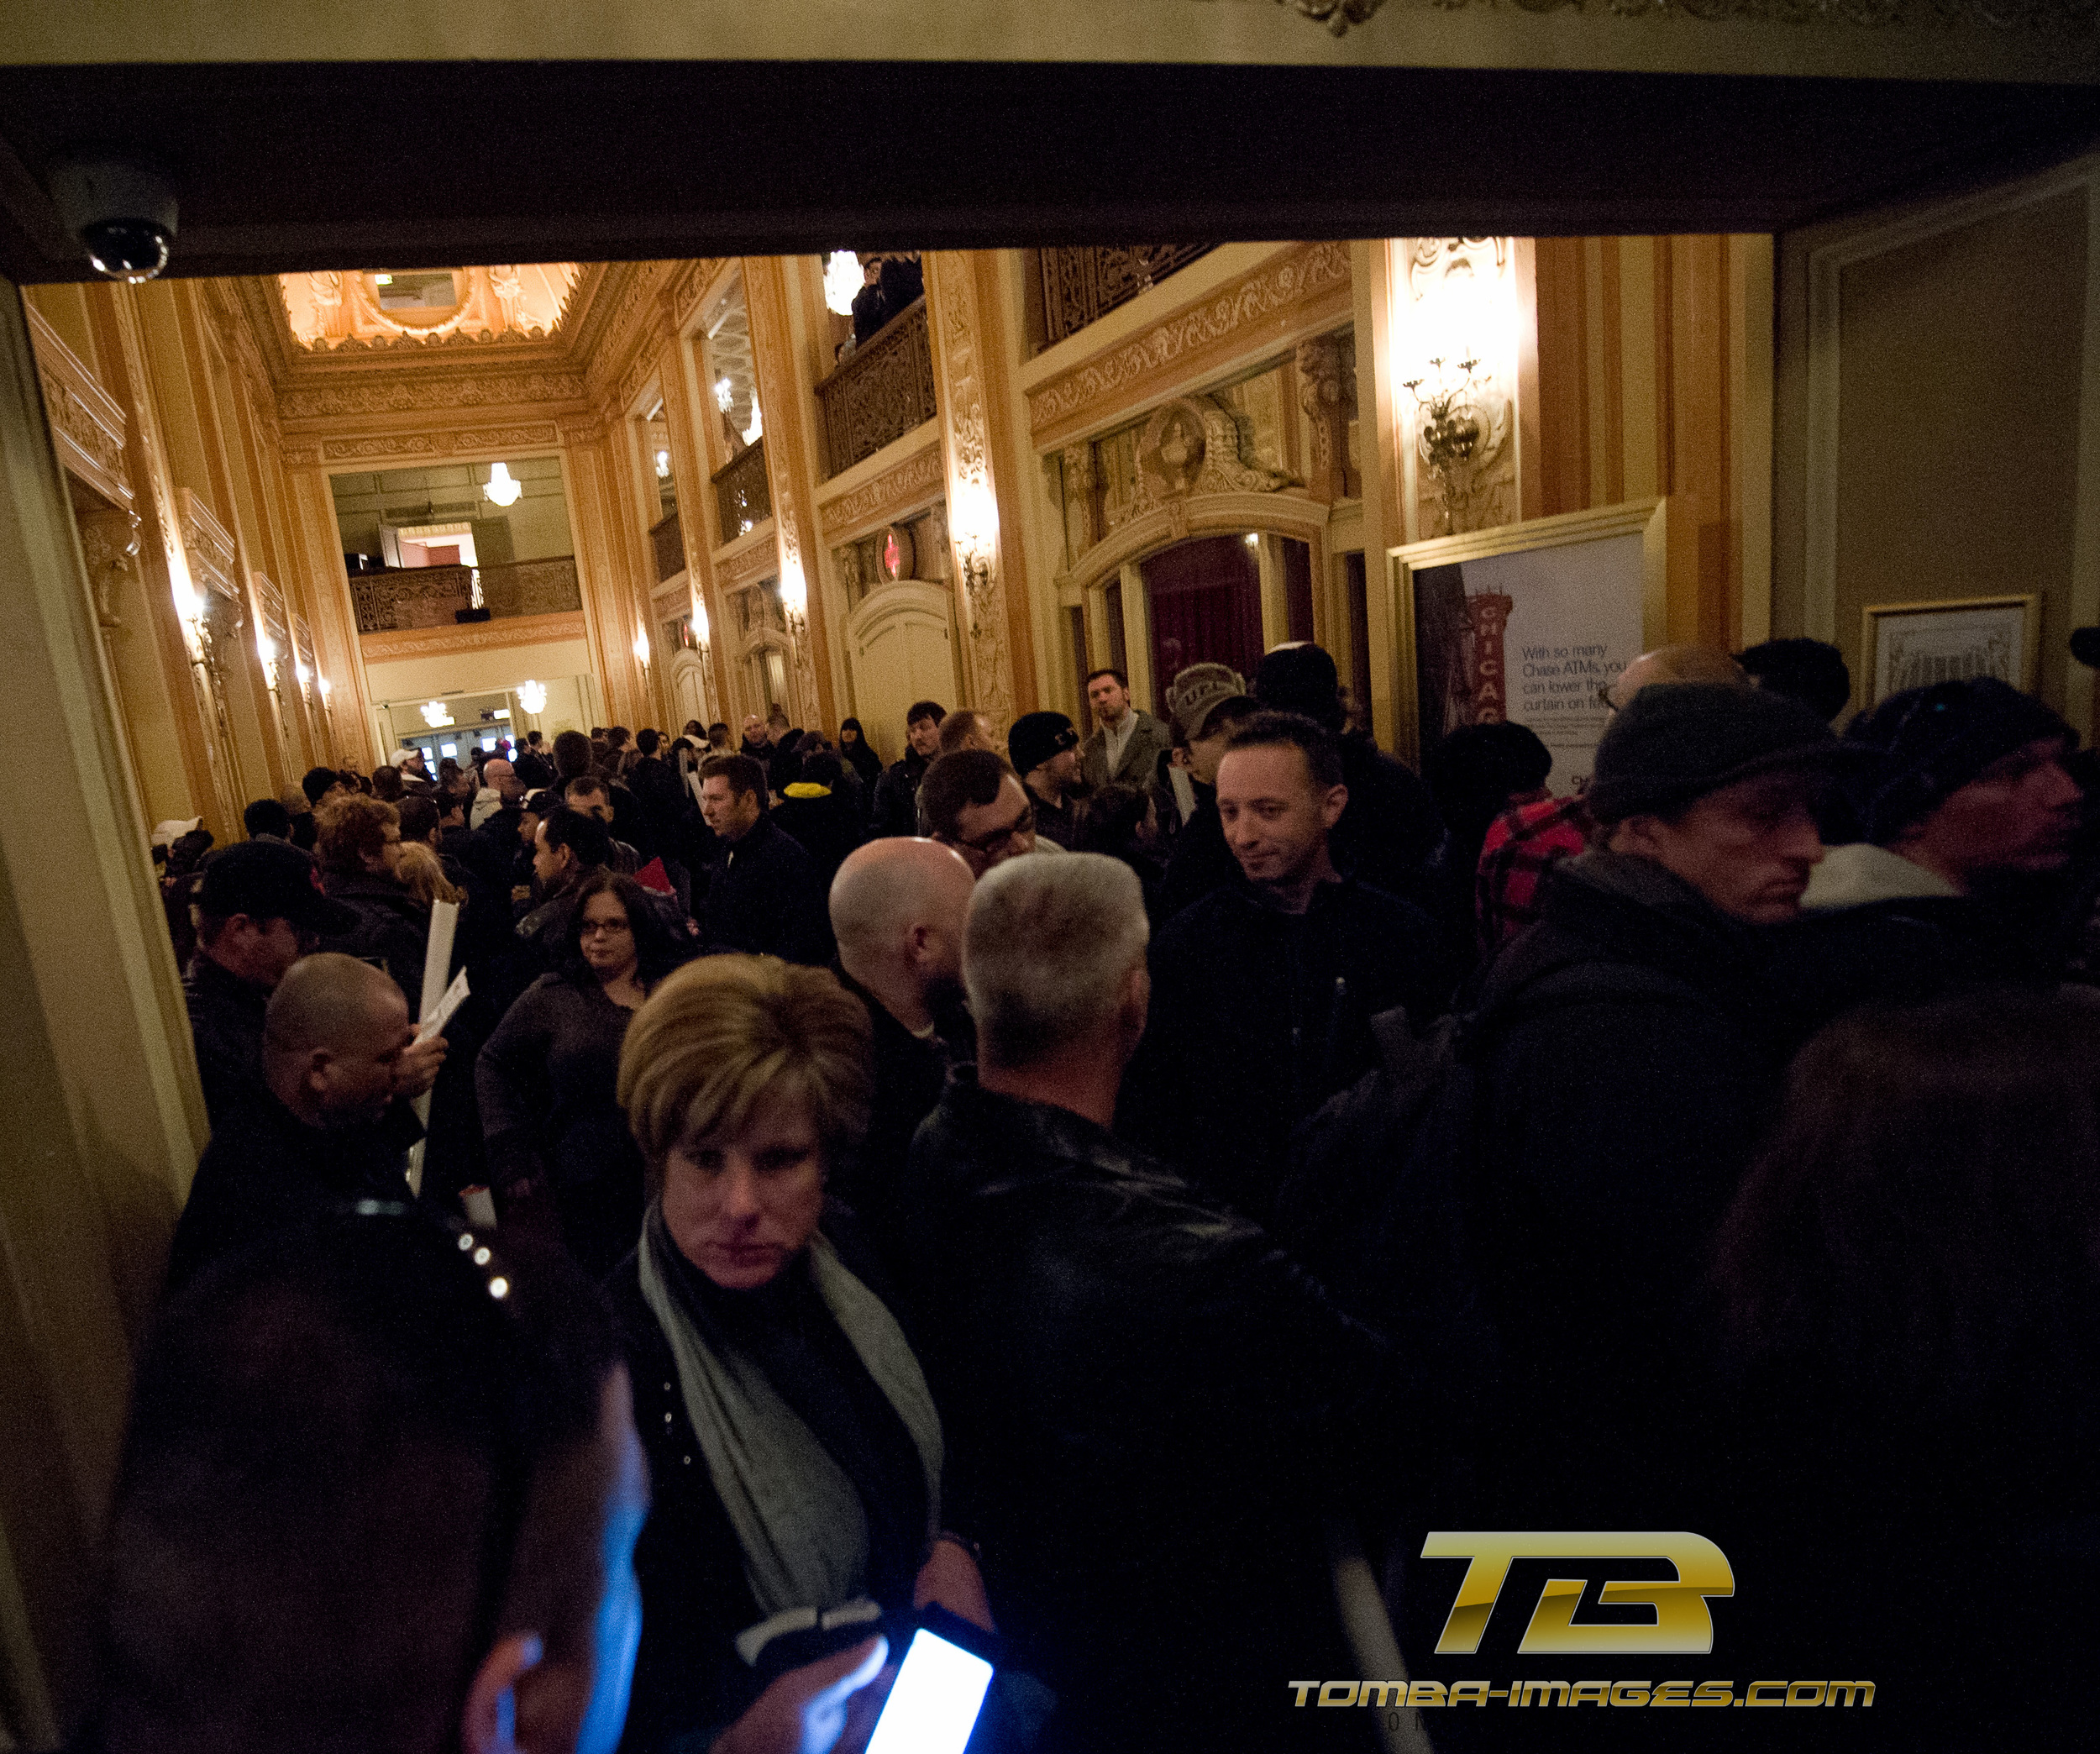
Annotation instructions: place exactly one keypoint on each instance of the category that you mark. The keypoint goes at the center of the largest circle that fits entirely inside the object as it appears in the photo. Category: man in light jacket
(1128, 742)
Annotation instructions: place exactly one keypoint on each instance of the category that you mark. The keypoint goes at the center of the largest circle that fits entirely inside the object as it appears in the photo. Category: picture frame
(1559, 605)
(1910, 645)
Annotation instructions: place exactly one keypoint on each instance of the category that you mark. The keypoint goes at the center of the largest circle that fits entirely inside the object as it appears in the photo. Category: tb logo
(1682, 1624)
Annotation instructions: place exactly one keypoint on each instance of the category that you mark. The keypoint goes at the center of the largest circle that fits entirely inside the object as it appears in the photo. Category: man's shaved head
(332, 1035)
(889, 885)
(1677, 663)
(898, 908)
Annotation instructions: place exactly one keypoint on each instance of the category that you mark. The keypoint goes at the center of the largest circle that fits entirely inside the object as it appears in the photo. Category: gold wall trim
(464, 441)
(88, 424)
(757, 554)
(214, 559)
(396, 393)
(901, 487)
(474, 637)
(1302, 292)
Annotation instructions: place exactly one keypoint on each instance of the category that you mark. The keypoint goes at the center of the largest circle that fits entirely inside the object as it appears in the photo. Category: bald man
(897, 909)
(323, 1128)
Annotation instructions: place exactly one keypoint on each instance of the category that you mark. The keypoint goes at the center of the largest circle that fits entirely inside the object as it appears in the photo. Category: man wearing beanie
(1390, 831)
(1968, 814)
(1626, 1048)
(1044, 749)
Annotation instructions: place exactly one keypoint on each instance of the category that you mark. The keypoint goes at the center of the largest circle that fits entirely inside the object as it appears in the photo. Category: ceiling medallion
(1337, 15)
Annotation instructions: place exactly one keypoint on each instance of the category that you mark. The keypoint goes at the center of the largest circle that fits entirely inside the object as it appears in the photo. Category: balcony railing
(883, 389)
(668, 540)
(433, 597)
(741, 495)
(1080, 286)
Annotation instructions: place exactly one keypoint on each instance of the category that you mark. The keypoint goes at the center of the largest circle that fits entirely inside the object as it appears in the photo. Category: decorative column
(983, 485)
(341, 702)
(100, 1107)
(791, 472)
(1320, 394)
(604, 565)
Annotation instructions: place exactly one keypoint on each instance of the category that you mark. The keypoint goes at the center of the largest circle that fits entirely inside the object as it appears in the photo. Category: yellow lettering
(1796, 1697)
(1714, 1692)
(1475, 1691)
(1590, 1693)
(1375, 1692)
(1684, 1624)
(1756, 1695)
(1849, 1689)
(1672, 1693)
(1328, 1696)
(1542, 1689)
(1631, 1692)
(1426, 1693)
(1301, 1688)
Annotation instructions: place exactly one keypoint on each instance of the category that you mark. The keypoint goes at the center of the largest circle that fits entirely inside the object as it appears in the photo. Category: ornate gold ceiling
(329, 311)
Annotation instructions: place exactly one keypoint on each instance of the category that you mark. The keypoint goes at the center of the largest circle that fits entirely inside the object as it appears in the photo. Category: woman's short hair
(347, 828)
(1049, 943)
(724, 1035)
(656, 952)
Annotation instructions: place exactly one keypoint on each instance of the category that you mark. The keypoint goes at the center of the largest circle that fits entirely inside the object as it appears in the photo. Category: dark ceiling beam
(284, 167)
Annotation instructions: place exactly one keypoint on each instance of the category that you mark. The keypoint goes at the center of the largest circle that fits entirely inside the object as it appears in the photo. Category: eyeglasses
(997, 837)
(592, 928)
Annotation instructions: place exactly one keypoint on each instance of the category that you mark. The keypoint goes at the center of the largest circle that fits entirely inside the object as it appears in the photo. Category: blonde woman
(796, 1451)
(423, 876)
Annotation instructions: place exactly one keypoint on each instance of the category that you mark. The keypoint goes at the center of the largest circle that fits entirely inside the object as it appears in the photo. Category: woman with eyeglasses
(796, 1453)
(547, 1077)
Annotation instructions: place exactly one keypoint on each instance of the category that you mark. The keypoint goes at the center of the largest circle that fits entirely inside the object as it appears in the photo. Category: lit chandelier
(503, 488)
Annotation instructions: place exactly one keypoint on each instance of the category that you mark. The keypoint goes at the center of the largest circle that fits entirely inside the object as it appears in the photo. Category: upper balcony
(884, 391)
(743, 498)
(1081, 284)
(435, 597)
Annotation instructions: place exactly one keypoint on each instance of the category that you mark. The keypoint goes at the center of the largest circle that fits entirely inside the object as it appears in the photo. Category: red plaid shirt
(1521, 845)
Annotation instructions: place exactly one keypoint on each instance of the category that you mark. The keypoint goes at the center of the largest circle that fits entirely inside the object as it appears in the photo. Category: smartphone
(939, 1690)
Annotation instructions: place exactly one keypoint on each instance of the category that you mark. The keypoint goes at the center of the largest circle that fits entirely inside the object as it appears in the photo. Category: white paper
(445, 920)
(454, 997)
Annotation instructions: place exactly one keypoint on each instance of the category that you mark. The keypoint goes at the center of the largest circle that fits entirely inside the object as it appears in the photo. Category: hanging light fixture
(756, 431)
(435, 715)
(531, 696)
(725, 393)
(502, 488)
(842, 282)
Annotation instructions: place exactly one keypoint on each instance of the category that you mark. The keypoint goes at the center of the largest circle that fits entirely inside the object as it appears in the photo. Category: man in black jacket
(259, 909)
(897, 910)
(763, 896)
(1628, 1049)
(321, 1127)
(896, 806)
(1391, 832)
(1263, 991)
(1139, 1388)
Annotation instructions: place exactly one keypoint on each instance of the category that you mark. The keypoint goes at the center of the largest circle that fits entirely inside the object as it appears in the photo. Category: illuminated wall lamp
(642, 648)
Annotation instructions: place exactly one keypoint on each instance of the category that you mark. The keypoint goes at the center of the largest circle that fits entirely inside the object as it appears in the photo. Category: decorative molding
(396, 393)
(109, 543)
(474, 637)
(214, 560)
(88, 424)
(390, 444)
(1286, 514)
(1302, 291)
(898, 489)
(1320, 395)
(973, 496)
(755, 556)
(1338, 15)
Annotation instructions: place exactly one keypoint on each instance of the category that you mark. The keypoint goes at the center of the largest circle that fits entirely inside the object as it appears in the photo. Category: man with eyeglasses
(973, 803)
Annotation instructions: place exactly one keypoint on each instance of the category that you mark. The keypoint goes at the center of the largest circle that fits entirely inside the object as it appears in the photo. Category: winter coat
(1149, 739)
(226, 1025)
(896, 806)
(1259, 1015)
(1389, 830)
(823, 822)
(1138, 1389)
(392, 931)
(766, 898)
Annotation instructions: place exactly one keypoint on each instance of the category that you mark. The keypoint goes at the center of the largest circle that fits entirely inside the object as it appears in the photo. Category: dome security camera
(122, 210)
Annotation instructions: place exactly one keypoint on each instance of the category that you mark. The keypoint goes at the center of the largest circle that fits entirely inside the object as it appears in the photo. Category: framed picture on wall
(1909, 645)
(1529, 622)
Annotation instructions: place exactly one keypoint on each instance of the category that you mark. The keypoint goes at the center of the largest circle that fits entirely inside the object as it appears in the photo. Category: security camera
(122, 210)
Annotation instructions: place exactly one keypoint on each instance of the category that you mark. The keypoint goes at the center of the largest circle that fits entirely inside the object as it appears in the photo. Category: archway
(1205, 600)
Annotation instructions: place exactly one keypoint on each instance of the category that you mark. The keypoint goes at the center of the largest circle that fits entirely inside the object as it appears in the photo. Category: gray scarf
(796, 1514)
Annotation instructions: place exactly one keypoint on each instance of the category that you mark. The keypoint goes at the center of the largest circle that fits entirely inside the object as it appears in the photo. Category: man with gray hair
(1138, 1387)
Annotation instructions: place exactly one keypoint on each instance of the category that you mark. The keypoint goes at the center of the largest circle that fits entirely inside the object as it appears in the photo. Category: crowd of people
(1068, 1179)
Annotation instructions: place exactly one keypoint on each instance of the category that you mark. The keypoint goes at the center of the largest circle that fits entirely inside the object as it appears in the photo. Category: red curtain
(1206, 598)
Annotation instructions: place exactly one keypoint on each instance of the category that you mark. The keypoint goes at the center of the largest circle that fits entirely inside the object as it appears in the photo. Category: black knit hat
(1036, 737)
(1301, 678)
(1929, 742)
(267, 880)
(1677, 742)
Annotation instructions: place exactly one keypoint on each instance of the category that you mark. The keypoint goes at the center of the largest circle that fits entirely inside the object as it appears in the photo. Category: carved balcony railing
(883, 389)
(433, 597)
(668, 541)
(741, 494)
(1082, 284)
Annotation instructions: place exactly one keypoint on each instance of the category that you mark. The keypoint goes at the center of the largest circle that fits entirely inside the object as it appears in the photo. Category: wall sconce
(973, 520)
(795, 595)
(1452, 437)
(436, 715)
(303, 676)
(532, 697)
(700, 622)
(325, 692)
(642, 648)
(502, 488)
(842, 282)
(266, 649)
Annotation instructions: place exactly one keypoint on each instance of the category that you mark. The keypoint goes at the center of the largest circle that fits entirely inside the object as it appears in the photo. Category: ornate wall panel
(902, 487)
(1304, 292)
(88, 423)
